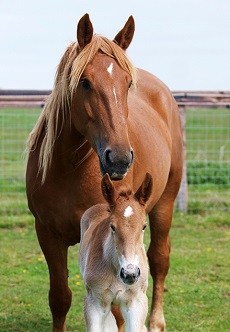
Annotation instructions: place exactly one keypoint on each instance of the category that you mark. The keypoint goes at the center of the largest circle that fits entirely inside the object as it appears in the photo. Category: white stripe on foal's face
(128, 212)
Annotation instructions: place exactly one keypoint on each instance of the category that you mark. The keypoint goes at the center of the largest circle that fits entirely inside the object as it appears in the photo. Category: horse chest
(123, 293)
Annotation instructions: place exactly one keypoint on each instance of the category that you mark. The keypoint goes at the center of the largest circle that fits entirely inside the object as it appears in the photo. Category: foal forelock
(57, 108)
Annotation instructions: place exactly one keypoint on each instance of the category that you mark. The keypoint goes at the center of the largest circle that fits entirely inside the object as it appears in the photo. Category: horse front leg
(60, 296)
(118, 317)
(158, 254)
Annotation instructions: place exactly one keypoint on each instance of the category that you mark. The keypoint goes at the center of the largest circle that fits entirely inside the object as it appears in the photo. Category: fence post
(182, 198)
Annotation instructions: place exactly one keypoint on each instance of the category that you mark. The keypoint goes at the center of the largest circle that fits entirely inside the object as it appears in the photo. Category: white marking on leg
(128, 212)
(115, 95)
(110, 69)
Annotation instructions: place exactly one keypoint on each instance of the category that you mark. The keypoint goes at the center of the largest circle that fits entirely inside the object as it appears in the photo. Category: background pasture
(198, 291)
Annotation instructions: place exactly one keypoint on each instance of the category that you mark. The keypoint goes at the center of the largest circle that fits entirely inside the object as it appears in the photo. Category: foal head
(100, 78)
(127, 223)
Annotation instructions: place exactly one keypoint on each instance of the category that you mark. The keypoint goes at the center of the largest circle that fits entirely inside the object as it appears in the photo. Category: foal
(113, 260)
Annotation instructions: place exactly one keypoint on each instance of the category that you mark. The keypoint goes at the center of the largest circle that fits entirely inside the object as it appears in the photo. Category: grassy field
(198, 290)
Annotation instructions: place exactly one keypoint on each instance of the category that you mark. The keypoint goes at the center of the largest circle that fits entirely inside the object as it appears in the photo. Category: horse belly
(152, 151)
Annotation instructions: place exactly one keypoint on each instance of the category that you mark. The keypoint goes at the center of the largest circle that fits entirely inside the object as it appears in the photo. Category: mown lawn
(197, 287)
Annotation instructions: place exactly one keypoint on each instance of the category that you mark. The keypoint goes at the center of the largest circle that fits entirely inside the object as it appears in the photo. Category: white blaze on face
(110, 69)
(128, 212)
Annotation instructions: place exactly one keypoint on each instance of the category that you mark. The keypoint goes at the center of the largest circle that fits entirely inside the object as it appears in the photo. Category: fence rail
(206, 136)
(37, 98)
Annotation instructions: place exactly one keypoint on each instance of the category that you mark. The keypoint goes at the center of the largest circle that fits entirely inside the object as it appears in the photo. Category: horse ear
(145, 190)
(125, 36)
(84, 31)
(108, 190)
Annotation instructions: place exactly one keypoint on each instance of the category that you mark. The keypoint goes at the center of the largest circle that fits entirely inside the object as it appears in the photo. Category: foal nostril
(130, 276)
(122, 274)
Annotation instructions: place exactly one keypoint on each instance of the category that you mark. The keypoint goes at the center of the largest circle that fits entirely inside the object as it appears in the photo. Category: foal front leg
(135, 313)
(158, 254)
(98, 316)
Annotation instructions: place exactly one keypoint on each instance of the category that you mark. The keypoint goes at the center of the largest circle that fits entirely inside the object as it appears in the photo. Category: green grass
(198, 290)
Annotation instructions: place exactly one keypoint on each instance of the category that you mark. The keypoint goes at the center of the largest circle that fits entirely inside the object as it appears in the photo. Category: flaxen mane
(57, 108)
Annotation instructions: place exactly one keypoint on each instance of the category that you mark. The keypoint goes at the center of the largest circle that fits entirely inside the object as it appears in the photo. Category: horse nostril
(107, 157)
(116, 162)
(110, 157)
(132, 156)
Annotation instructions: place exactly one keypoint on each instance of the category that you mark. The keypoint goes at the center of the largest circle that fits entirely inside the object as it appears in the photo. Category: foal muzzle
(130, 274)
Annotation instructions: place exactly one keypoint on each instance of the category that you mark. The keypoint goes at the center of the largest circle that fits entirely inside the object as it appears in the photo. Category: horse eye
(113, 228)
(144, 227)
(130, 84)
(85, 84)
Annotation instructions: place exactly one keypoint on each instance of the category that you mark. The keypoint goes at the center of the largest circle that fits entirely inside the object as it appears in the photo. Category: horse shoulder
(155, 94)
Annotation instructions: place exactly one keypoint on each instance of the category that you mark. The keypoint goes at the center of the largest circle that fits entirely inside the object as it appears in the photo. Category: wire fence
(208, 159)
(207, 154)
(15, 125)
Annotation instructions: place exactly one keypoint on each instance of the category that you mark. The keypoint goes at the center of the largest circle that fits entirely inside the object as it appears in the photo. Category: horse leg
(118, 316)
(60, 295)
(158, 254)
(135, 313)
(98, 316)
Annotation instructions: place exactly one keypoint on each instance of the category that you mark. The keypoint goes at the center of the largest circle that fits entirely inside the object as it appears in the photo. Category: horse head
(99, 109)
(128, 222)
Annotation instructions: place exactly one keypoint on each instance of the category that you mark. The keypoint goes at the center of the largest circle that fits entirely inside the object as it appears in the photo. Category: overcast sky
(186, 43)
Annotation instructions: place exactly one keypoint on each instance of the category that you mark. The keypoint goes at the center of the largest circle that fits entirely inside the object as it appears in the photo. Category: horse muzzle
(130, 274)
(115, 163)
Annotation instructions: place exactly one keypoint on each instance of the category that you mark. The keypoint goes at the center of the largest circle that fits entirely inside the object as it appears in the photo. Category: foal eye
(85, 84)
(113, 228)
(144, 227)
(130, 84)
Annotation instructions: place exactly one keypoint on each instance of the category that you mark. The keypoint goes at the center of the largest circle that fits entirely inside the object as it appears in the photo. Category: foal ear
(145, 190)
(84, 31)
(108, 190)
(125, 36)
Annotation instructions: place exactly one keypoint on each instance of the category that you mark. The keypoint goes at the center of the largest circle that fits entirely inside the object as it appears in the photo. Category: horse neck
(70, 144)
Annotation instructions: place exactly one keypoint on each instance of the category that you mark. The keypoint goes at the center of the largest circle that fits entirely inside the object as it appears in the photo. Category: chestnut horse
(103, 116)
(113, 260)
